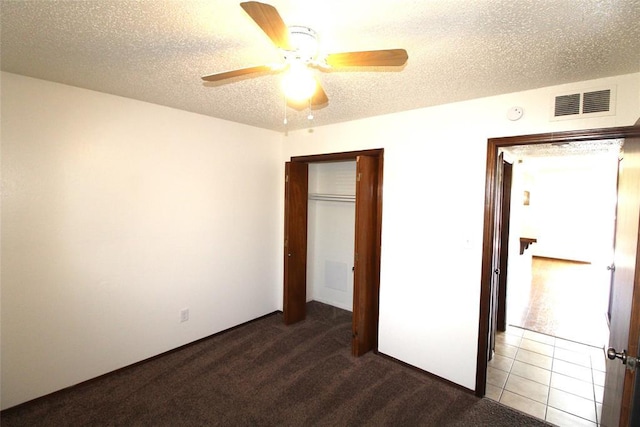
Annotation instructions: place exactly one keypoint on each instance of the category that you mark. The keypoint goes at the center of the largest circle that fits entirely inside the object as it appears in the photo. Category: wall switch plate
(467, 244)
(184, 315)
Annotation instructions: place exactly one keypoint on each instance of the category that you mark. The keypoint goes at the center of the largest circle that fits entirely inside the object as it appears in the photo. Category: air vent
(591, 103)
(596, 102)
(567, 105)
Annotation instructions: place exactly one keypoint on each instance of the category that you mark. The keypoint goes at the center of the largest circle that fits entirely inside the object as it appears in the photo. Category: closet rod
(332, 197)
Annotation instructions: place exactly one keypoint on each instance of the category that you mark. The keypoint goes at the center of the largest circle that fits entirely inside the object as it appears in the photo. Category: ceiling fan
(299, 47)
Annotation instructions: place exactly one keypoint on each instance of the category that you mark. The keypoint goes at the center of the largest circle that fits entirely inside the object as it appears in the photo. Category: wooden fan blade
(319, 99)
(368, 58)
(268, 18)
(236, 73)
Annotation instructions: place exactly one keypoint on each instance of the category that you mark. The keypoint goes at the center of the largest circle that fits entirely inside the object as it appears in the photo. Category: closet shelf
(332, 197)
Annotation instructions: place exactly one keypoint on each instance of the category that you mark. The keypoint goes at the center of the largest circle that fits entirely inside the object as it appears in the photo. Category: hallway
(567, 299)
(550, 361)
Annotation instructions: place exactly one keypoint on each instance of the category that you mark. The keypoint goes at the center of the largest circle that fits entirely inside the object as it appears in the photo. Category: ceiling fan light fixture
(298, 83)
(300, 50)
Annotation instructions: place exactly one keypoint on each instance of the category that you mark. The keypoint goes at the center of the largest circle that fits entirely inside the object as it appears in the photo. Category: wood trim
(569, 136)
(427, 374)
(507, 176)
(378, 254)
(572, 261)
(485, 283)
(525, 242)
(337, 157)
(365, 316)
(352, 156)
(493, 144)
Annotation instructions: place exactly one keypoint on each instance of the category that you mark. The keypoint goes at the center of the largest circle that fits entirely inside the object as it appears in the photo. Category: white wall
(573, 201)
(571, 213)
(117, 214)
(519, 266)
(434, 177)
(331, 235)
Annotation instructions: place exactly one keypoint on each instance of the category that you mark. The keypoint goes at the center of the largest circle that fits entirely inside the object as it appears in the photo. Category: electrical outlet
(184, 315)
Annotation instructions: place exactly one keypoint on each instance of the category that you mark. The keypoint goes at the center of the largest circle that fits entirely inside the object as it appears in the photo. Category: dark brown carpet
(267, 374)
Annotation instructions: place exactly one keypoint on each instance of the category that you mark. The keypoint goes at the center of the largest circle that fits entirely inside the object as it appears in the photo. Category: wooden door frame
(504, 246)
(491, 182)
(496, 256)
(374, 286)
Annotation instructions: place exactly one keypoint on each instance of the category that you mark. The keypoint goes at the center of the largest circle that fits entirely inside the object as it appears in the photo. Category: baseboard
(427, 373)
(149, 359)
(561, 259)
(331, 303)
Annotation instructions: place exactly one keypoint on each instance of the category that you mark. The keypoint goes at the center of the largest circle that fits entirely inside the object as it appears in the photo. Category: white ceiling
(157, 50)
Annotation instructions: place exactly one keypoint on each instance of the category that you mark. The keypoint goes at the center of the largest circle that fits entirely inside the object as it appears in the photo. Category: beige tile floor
(550, 378)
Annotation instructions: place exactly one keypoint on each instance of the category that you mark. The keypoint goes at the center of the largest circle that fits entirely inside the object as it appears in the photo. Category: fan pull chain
(310, 116)
(285, 111)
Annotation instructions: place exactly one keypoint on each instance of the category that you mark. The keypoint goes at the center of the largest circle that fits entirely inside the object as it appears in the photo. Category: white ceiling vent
(592, 103)
(598, 101)
(566, 105)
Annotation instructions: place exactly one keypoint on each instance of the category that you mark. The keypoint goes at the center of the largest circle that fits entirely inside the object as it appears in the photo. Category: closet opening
(333, 216)
(330, 233)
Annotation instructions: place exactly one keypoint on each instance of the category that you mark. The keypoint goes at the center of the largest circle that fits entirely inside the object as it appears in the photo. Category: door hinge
(358, 176)
(286, 178)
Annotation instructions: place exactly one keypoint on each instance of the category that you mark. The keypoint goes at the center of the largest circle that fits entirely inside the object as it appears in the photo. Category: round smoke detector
(515, 113)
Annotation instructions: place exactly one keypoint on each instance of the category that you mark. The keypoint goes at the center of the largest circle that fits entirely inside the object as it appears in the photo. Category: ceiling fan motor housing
(304, 45)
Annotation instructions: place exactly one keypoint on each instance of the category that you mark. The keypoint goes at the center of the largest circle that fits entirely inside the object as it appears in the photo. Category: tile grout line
(509, 373)
(553, 361)
(593, 387)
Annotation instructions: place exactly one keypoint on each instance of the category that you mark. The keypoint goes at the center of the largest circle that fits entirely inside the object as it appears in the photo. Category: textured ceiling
(575, 148)
(156, 51)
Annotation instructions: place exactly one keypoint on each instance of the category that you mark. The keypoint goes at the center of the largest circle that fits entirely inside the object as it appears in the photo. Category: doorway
(564, 198)
(330, 233)
(490, 273)
(367, 237)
